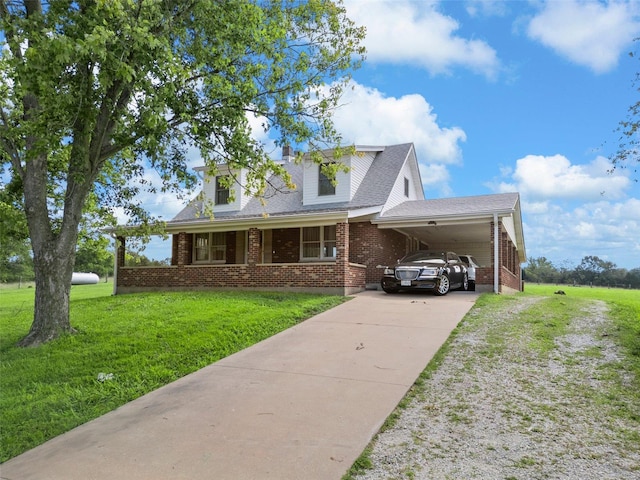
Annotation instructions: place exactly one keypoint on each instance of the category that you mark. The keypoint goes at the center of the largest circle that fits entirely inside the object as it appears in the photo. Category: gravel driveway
(501, 406)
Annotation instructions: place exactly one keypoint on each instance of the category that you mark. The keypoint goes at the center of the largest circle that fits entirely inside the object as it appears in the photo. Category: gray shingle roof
(455, 206)
(373, 191)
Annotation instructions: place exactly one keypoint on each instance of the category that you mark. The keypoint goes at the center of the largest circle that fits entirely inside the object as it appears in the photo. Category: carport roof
(456, 220)
(479, 205)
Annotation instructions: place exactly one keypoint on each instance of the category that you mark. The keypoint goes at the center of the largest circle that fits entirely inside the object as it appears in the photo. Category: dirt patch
(497, 408)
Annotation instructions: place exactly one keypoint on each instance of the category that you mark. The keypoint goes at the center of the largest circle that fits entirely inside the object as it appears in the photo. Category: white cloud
(367, 116)
(603, 229)
(165, 205)
(537, 208)
(436, 177)
(538, 177)
(567, 216)
(588, 33)
(415, 33)
(486, 8)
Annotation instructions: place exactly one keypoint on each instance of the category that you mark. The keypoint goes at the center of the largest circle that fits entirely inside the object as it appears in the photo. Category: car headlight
(429, 272)
(389, 271)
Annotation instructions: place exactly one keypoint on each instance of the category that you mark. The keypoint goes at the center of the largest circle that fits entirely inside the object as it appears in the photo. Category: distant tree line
(92, 255)
(592, 270)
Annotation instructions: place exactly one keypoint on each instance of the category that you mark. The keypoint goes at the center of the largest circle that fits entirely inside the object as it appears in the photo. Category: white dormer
(316, 188)
(219, 195)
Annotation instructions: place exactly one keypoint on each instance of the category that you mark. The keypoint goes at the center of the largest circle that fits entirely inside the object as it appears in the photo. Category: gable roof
(374, 191)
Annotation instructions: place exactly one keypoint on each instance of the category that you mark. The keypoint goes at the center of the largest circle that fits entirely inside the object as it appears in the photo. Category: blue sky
(501, 96)
(498, 97)
(506, 96)
(510, 96)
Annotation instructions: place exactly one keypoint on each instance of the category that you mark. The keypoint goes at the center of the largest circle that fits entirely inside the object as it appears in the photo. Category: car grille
(407, 273)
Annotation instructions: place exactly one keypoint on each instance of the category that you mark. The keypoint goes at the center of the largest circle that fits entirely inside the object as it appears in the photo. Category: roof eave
(444, 219)
(274, 221)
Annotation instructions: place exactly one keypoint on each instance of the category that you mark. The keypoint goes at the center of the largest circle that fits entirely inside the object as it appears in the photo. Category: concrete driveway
(301, 404)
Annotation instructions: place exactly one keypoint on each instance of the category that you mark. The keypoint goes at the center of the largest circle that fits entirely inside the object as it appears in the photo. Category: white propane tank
(78, 278)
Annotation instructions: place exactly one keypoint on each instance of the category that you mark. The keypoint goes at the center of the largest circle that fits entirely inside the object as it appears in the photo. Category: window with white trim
(318, 243)
(222, 191)
(201, 247)
(406, 187)
(210, 247)
(325, 185)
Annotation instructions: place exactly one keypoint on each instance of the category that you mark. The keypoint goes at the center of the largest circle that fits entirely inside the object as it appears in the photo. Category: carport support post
(496, 255)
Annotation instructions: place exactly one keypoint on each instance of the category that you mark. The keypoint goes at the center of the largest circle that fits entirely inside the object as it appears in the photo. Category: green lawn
(138, 342)
(624, 308)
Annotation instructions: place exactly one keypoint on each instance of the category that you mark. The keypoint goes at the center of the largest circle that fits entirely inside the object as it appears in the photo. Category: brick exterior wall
(313, 277)
(370, 246)
(510, 270)
(484, 276)
(361, 246)
(286, 245)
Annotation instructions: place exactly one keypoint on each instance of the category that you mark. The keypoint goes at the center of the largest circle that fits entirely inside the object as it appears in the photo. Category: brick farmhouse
(330, 238)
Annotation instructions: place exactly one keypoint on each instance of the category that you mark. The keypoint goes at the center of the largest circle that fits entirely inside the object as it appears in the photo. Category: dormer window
(222, 191)
(325, 186)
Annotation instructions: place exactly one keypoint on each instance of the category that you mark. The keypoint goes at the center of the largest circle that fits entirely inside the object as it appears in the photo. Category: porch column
(120, 247)
(342, 251)
(183, 249)
(118, 261)
(254, 247)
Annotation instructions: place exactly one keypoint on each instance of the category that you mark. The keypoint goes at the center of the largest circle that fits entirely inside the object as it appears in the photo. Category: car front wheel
(443, 285)
(389, 289)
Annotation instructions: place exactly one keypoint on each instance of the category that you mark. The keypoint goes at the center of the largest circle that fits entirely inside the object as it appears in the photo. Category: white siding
(507, 223)
(360, 165)
(209, 189)
(397, 196)
(311, 176)
(480, 250)
(244, 198)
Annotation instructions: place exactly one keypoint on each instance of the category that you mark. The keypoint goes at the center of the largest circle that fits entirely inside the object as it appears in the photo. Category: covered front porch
(257, 259)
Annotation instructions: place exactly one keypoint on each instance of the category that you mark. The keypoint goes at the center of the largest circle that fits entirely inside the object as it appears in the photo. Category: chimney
(287, 153)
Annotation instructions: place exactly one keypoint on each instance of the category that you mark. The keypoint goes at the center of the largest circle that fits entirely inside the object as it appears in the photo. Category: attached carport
(488, 227)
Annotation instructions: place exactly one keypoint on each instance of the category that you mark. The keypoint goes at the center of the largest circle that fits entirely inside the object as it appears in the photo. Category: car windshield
(420, 257)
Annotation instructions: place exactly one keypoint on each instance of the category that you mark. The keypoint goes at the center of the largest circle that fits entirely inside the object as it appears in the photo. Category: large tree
(93, 92)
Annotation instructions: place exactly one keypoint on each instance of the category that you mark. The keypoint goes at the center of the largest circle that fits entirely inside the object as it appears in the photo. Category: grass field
(624, 307)
(126, 346)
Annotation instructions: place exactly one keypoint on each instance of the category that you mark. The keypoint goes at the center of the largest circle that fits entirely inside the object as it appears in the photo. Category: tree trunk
(53, 270)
